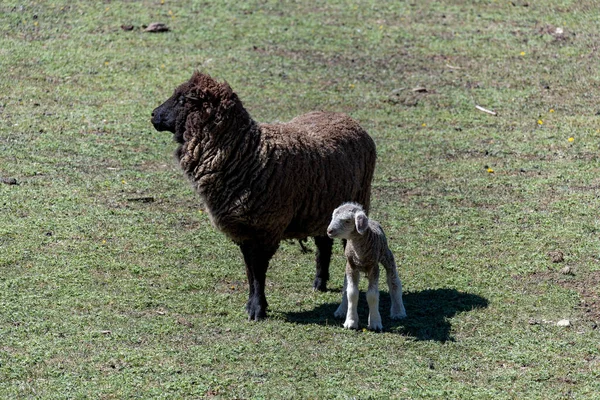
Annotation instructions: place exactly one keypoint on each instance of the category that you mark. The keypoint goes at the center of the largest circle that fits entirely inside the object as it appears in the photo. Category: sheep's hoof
(257, 315)
(256, 311)
(376, 328)
(320, 285)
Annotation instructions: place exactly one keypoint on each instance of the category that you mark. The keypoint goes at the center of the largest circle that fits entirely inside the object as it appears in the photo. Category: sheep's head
(346, 220)
(201, 97)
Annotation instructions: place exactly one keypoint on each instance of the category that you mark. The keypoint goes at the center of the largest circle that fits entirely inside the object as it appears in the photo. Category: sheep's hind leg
(256, 258)
(324, 246)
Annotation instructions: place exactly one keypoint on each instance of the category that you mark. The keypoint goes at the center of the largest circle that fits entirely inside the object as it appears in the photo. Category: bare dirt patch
(586, 284)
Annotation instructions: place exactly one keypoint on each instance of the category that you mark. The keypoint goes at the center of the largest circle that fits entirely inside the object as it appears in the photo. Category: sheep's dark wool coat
(261, 183)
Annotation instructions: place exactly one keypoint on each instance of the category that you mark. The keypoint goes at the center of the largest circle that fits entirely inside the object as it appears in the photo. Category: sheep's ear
(192, 96)
(226, 89)
(227, 96)
(197, 95)
(362, 222)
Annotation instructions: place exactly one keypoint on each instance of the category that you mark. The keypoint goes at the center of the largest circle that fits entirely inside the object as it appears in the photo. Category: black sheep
(262, 183)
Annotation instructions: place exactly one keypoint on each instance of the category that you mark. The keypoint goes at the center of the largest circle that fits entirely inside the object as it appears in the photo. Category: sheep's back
(319, 160)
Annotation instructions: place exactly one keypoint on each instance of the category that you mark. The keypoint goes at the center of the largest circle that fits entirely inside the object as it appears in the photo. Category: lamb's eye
(182, 100)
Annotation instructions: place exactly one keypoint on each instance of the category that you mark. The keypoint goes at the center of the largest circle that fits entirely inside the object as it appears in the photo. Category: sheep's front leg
(352, 277)
(256, 257)
(323, 257)
(373, 300)
(397, 310)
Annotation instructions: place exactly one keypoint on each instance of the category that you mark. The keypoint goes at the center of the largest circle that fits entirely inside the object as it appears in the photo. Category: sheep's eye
(181, 100)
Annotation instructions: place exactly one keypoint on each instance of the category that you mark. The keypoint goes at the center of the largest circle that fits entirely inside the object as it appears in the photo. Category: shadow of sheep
(428, 312)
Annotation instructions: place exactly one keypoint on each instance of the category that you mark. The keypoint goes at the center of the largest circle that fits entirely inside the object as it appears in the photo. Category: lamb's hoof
(350, 324)
(375, 327)
(320, 285)
(398, 316)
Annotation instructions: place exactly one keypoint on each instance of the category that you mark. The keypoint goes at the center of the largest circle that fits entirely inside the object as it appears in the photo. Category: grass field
(114, 285)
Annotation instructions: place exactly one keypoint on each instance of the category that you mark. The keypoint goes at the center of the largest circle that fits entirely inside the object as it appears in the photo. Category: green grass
(106, 296)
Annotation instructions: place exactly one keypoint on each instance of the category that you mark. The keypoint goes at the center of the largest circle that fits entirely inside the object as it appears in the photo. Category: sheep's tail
(303, 248)
(302, 243)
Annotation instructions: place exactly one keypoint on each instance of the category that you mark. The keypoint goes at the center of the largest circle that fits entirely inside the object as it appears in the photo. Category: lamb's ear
(362, 222)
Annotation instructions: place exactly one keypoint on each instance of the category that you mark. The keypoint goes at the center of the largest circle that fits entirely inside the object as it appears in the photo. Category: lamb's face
(347, 220)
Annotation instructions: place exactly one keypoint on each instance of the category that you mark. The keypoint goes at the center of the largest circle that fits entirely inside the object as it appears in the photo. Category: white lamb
(366, 247)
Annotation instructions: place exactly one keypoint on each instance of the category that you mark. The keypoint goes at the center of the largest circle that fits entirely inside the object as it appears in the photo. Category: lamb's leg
(323, 257)
(397, 310)
(343, 308)
(373, 300)
(352, 276)
(256, 258)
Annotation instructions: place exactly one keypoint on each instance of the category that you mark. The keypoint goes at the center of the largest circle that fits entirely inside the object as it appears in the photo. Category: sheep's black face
(164, 116)
(172, 114)
(202, 99)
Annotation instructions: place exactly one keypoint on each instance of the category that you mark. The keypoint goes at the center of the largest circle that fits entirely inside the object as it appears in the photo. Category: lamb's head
(347, 220)
(202, 98)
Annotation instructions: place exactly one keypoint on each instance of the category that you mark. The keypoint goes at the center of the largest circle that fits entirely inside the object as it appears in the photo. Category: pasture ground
(114, 285)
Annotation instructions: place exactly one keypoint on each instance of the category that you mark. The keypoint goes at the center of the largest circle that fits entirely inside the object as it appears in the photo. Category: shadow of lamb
(428, 312)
